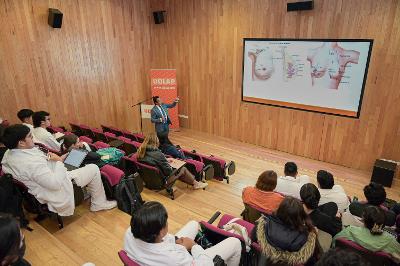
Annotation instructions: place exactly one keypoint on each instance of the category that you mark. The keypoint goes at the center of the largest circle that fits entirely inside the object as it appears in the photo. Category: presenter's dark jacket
(156, 115)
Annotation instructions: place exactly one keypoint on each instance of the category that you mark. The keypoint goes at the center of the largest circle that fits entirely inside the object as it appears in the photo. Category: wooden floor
(97, 237)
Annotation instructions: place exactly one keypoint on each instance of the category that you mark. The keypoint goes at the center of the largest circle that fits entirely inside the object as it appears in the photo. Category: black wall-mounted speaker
(158, 17)
(55, 18)
(384, 172)
(298, 6)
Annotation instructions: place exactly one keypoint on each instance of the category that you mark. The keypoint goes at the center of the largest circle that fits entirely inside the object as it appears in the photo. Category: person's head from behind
(375, 194)
(2, 129)
(150, 141)
(25, 115)
(12, 246)
(157, 100)
(267, 181)
(340, 257)
(149, 223)
(325, 179)
(70, 142)
(374, 219)
(310, 196)
(18, 137)
(292, 214)
(41, 119)
(290, 169)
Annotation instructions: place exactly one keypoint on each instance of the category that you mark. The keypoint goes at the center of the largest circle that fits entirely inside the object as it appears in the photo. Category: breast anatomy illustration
(262, 63)
(329, 62)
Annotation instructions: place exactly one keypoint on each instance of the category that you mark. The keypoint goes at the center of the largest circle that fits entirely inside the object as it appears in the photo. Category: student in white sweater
(291, 183)
(331, 192)
(148, 242)
(45, 175)
(25, 115)
(41, 121)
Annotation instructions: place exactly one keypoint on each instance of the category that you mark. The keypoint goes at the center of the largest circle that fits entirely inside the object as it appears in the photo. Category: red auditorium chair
(375, 258)
(126, 260)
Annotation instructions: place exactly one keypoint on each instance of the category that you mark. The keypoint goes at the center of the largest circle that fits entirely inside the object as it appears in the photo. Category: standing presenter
(159, 115)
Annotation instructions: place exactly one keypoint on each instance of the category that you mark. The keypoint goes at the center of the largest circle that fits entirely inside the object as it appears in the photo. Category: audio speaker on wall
(384, 172)
(298, 6)
(55, 18)
(158, 17)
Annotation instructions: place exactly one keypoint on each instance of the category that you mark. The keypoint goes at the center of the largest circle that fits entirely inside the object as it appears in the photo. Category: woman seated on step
(167, 147)
(148, 242)
(12, 243)
(149, 153)
(262, 196)
(372, 236)
(287, 236)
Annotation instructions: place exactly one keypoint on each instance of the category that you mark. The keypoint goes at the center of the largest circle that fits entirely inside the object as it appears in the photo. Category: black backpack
(127, 194)
(11, 200)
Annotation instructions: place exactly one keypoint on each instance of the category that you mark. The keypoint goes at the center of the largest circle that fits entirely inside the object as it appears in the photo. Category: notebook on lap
(75, 159)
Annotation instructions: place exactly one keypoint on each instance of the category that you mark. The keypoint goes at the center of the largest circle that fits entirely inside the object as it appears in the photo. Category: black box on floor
(384, 171)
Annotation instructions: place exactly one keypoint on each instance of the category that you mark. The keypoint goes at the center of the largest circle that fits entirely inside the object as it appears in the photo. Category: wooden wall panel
(90, 71)
(95, 67)
(203, 40)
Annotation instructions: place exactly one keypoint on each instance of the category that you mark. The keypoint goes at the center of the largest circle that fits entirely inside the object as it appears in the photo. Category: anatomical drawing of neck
(328, 62)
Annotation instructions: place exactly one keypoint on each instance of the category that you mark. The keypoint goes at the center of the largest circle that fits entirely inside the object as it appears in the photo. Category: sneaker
(109, 204)
(200, 185)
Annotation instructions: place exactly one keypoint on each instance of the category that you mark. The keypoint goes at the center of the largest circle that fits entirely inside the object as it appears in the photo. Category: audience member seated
(331, 192)
(72, 142)
(148, 242)
(149, 153)
(290, 184)
(338, 257)
(168, 148)
(25, 115)
(12, 243)
(262, 195)
(41, 121)
(375, 194)
(372, 236)
(3, 148)
(46, 177)
(325, 217)
(287, 236)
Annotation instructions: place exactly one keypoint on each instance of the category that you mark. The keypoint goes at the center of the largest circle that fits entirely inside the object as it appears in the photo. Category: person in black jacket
(324, 217)
(3, 148)
(287, 236)
(149, 153)
(72, 142)
(12, 243)
(376, 195)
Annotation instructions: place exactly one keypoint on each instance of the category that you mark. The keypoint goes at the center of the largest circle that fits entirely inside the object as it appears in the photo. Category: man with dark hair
(376, 195)
(331, 192)
(159, 115)
(290, 184)
(148, 242)
(25, 115)
(45, 175)
(340, 257)
(41, 121)
(325, 217)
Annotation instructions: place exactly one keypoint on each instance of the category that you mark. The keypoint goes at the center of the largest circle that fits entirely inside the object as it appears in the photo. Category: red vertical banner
(163, 84)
